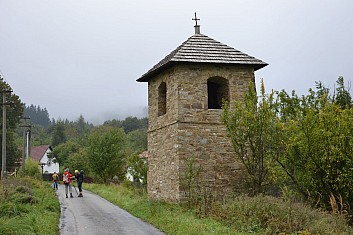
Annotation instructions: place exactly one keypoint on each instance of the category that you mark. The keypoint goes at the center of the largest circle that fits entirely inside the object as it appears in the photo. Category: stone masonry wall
(163, 172)
(190, 129)
(163, 164)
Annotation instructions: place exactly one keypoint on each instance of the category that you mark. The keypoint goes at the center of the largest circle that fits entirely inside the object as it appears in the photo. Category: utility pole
(3, 165)
(24, 152)
(29, 147)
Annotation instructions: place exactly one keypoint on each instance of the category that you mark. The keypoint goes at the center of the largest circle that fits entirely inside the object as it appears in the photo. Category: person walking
(55, 178)
(76, 175)
(67, 182)
(80, 177)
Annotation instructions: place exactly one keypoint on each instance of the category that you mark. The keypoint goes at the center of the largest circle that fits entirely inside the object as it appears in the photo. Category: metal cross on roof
(195, 19)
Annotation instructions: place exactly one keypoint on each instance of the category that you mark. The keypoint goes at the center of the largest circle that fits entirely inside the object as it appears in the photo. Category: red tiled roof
(37, 152)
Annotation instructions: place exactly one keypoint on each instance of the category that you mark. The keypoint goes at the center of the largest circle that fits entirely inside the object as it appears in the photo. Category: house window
(218, 91)
(162, 99)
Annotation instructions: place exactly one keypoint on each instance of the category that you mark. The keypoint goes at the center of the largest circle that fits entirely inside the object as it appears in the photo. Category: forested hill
(38, 115)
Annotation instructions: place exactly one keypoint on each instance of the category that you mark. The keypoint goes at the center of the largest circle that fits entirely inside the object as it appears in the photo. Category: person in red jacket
(67, 182)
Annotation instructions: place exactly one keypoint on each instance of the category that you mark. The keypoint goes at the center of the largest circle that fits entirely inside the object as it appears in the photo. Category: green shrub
(7, 226)
(270, 215)
(24, 189)
(32, 168)
(23, 198)
(9, 209)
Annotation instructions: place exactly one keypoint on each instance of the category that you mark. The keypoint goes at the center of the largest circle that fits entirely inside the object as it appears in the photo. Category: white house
(144, 157)
(40, 154)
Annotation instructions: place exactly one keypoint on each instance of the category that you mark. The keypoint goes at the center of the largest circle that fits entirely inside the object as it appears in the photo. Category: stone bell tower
(185, 93)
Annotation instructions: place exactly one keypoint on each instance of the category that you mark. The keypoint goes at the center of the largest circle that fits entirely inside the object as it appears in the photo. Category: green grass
(169, 218)
(28, 206)
(243, 215)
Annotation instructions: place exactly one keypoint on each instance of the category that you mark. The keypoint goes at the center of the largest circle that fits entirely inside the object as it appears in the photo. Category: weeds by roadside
(241, 215)
(169, 218)
(28, 206)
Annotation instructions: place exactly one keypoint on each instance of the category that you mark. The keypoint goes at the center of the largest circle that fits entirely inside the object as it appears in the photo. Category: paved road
(92, 214)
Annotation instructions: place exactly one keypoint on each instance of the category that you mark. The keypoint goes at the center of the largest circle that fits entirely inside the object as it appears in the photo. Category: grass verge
(28, 206)
(243, 215)
(169, 218)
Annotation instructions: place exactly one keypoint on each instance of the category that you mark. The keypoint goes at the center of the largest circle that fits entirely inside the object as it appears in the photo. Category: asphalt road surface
(92, 214)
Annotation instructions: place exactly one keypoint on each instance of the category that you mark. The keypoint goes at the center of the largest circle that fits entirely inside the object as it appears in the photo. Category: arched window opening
(162, 99)
(218, 90)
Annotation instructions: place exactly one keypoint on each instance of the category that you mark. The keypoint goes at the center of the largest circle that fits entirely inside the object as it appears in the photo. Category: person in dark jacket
(80, 177)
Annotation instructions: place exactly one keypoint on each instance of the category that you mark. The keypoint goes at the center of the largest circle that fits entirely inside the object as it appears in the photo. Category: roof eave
(147, 76)
(260, 66)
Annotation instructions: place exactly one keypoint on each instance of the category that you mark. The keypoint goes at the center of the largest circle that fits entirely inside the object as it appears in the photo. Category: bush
(32, 169)
(270, 215)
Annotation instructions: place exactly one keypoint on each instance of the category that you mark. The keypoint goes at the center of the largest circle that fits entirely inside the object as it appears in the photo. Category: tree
(251, 129)
(63, 151)
(129, 124)
(40, 135)
(310, 137)
(342, 97)
(81, 126)
(38, 115)
(79, 161)
(59, 135)
(114, 123)
(106, 153)
(319, 147)
(137, 140)
(14, 111)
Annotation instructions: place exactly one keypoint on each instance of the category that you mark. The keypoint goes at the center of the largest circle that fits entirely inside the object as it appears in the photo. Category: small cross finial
(196, 19)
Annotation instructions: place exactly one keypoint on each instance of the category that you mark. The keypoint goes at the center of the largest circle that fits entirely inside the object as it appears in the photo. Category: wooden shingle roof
(200, 48)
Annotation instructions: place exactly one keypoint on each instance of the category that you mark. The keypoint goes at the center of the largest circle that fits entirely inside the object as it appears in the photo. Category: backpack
(66, 178)
(55, 177)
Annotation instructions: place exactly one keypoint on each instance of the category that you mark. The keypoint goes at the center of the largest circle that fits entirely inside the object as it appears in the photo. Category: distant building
(185, 93)
(40, 154)
(128, 176)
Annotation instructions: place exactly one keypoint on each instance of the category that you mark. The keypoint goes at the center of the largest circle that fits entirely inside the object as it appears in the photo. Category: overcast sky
(83, 56)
